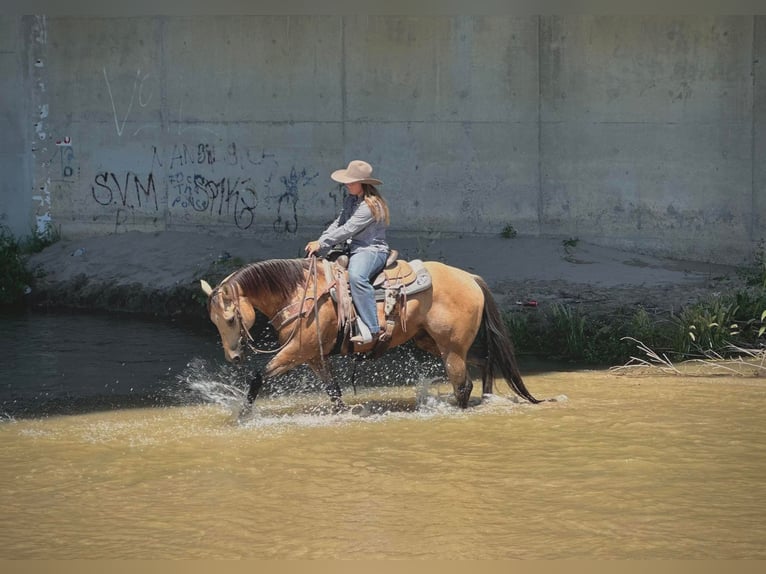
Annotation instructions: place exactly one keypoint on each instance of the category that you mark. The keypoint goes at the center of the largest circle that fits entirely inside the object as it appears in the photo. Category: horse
(456, 319)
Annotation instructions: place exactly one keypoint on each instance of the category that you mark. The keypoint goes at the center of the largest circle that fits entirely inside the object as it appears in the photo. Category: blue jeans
(363, 266)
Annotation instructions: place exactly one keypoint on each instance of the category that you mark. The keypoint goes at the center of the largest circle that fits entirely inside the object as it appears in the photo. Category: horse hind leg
(478, 359)
(463, 393)
(323, 371)
(487, 380)
(457, 373)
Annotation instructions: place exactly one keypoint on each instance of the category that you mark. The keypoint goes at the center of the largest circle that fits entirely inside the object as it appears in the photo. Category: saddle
(410, 276)
(396, 273)
(398, 280)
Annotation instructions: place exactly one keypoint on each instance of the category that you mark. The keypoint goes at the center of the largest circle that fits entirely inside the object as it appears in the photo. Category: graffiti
(192, 186)
(138, 87)
(200, 154)
(226, 196)
(130, 191)
(66, 156)
(255, 160)
(289, 199)
(209, 154)
(197, 177)
(203, 179)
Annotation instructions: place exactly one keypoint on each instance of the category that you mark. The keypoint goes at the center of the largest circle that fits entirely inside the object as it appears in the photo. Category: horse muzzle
(234, 356)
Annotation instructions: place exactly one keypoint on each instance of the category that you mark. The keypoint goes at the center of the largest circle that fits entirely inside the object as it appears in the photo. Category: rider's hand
(311, 248)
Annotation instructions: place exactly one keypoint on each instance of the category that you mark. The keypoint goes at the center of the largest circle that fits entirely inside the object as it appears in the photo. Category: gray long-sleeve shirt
(357, 223)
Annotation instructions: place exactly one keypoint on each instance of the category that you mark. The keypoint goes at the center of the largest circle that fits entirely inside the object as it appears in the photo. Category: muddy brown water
(622, 467)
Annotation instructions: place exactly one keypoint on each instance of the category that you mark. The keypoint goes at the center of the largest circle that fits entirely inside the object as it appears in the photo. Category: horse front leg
(323, 371)
(255, 385)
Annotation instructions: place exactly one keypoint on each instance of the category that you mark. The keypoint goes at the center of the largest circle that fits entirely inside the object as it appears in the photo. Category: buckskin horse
(455, 318)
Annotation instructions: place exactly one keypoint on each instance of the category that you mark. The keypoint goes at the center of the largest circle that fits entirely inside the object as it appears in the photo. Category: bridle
(244, 334)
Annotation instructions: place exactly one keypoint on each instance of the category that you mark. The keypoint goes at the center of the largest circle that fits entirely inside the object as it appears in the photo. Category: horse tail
(499, 348)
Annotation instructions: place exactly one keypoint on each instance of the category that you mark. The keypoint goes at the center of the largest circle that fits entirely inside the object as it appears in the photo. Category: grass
(720, 327)
(564, 333)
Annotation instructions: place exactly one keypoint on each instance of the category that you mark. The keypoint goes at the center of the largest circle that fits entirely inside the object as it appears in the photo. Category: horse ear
(206, 287)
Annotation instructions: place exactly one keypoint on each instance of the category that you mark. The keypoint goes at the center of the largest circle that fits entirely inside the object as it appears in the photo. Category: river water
(119, 439)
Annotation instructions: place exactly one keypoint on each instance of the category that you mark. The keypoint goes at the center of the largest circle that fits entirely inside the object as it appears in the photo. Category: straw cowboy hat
(357, 170)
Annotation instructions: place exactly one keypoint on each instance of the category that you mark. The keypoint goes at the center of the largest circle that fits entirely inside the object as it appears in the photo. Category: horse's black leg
(463, 393)
(322, 370)
(333, 390)
(487, 380)
(255, 385)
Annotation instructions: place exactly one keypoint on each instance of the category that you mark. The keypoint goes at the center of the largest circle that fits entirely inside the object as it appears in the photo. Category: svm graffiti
(130, 191)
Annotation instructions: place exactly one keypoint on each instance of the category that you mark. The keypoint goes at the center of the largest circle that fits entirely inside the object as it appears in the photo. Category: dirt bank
(158, 273)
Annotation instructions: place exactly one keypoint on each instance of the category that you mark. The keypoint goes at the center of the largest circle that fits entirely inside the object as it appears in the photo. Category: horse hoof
(245, 414)
(339, 407)
(360, 411)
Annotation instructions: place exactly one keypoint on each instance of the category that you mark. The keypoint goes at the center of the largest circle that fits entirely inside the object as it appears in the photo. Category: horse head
(232, 314)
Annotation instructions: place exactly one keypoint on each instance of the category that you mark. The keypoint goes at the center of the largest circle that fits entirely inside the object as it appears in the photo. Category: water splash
(299, 400)
(223, 386)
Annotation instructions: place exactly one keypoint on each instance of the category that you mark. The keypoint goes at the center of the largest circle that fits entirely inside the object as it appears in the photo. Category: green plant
(569, 329)
(40, 239)
(14, 279)
(520, 331)
(719, 326)
(707, 326)
(570, 243)
(508, 232)
(641, 325)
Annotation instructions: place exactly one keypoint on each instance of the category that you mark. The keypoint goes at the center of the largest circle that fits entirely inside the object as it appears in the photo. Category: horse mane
(276, 276)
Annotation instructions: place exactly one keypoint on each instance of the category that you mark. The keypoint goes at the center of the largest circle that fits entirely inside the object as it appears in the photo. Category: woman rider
(363, 220)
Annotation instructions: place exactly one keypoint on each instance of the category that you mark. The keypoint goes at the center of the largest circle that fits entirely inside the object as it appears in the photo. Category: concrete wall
(15, 205)
(647, 131)
(641, 132)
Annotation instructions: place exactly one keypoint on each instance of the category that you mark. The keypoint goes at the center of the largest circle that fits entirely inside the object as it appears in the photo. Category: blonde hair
(376, 203)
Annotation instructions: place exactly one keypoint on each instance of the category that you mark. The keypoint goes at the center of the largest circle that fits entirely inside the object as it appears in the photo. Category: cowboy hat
(357, 170)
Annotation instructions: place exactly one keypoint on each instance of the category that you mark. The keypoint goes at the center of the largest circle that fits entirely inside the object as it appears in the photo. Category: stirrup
(364, 341)
(363, 334)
